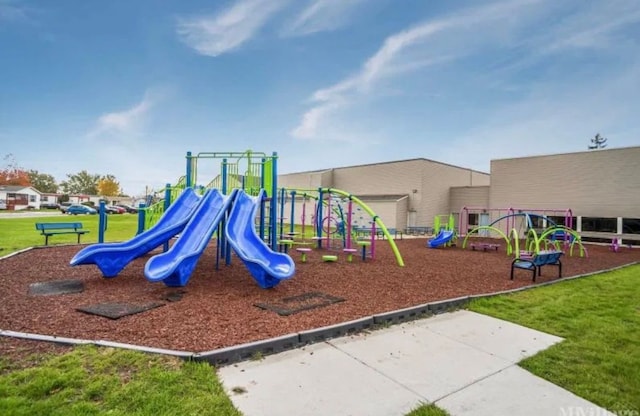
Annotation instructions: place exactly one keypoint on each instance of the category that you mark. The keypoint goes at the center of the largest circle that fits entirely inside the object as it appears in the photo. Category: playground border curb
(403, 315)
(447, 305)
(100, 343)
(325, 333)
(249, 350)
(24, 250)
(242, 352)
(15, 253)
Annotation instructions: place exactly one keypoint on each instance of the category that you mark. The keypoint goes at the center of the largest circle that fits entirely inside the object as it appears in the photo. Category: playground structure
(247, 180)
(446, 233)
(238, 207)
(490, 216)
(338, 220)
(551, 236)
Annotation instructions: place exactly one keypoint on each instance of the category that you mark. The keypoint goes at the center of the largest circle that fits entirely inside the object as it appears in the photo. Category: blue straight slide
(175, 266)
(266, 266)
(111, 258)
(443, 237)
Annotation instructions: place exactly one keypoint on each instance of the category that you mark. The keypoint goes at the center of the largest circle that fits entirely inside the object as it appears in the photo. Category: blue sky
(127, 87)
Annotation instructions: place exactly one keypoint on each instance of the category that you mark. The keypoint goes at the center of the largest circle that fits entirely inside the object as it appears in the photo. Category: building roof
(570, 153)
(15, 188)
(385, 163)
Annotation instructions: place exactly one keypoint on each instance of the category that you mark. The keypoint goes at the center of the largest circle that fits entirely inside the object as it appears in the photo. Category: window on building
(45, 198)
(32, 198)
(537, 222)
(473, 219)
(562, 220)
(631, 225)
(602, 225)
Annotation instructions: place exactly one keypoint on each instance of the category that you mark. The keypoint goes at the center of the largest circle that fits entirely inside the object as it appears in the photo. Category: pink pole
(568, 222)
(373, 239)
(329, 222)
(348, 229)
(304, 213)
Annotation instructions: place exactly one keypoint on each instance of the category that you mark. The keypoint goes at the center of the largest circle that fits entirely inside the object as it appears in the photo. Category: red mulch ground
(217, 307)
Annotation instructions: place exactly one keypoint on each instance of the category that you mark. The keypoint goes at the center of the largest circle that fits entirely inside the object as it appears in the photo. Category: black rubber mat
(174, 296)
(56, 287)
(299, 303)
(118, 310)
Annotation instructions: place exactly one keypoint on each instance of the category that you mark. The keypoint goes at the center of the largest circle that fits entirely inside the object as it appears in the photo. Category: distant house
(20, 197)
(49, 200)
(81, 198)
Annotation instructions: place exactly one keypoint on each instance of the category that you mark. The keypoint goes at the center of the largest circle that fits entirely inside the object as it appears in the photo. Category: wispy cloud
(593, 27)
(391, 59)
(321, 15)
(514, 34)
(552, 119)
(125, 122)
(11, 11)
(229, 29)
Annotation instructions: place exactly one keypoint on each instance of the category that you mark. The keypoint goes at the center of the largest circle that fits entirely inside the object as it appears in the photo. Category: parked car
(76, 209)
(128, 208)
(112, 209)
(63, 206)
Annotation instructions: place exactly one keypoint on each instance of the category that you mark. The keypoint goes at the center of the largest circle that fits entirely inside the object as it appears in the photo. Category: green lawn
(97, 381)
(599, 317)
(19, 233)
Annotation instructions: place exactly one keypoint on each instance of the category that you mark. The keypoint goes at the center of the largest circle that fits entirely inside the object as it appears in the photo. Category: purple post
(304, 212)
(328, 221)
(373, 239)
(348, 229)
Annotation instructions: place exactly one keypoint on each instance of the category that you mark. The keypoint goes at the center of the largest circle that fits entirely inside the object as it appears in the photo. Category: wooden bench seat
(535, 263)
(47, 229)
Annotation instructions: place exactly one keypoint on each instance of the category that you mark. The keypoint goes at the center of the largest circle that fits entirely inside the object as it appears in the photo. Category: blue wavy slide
(267, 267)
(443, 237)
(111, 258)
(175, 266)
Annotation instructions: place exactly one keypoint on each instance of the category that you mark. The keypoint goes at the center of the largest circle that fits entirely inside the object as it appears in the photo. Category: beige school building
(600, 187)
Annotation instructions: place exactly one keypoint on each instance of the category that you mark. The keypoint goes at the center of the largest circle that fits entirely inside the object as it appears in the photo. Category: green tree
(81, 183)
(108, 186)
(43, 182)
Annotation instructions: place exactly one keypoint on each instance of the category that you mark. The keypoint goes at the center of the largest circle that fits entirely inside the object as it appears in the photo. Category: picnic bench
(484, 246)
(535, 263)
(47, 229)
(395, 233)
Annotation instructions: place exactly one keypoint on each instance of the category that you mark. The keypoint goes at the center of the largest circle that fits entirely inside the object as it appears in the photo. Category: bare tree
(599, 142)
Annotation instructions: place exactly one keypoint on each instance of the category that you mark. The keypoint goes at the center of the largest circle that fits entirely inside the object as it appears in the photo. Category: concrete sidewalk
(462, 361)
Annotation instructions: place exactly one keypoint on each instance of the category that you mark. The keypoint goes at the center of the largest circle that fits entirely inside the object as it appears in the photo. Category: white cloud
(554, 118)
(11, 11)
(126, 122)
(518, 33)
(593, 27)
(321, 15)
(228, 30)
(391, 60)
